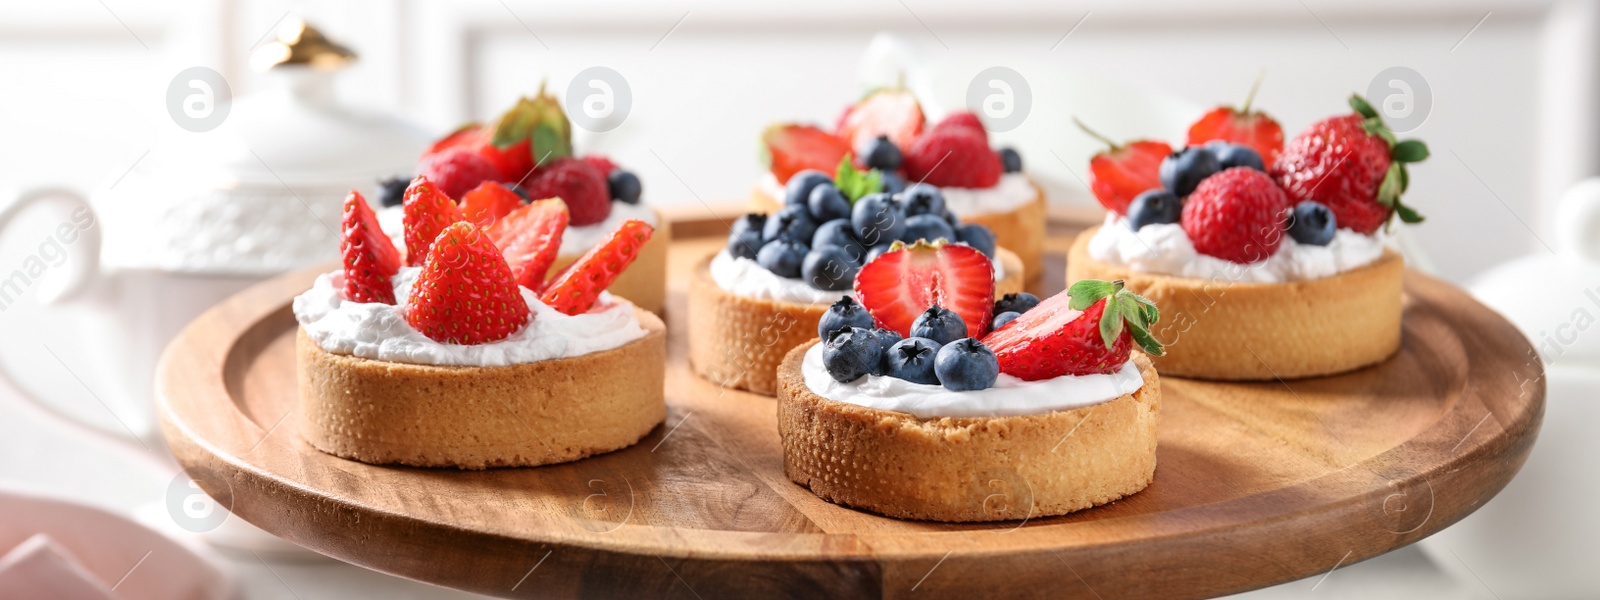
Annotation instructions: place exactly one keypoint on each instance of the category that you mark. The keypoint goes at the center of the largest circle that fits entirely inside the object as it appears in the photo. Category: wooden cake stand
(1257, 483)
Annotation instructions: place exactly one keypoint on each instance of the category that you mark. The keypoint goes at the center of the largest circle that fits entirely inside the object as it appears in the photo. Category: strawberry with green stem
(1123, 171)
(1242, 126)
(1090, 329)
(1354, 165)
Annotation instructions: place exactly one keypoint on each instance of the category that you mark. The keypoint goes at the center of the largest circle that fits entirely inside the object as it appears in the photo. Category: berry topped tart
(927, 401)
(762, 293)
(489, 169)
(887, 131)
(1270, 260)
(463, 353)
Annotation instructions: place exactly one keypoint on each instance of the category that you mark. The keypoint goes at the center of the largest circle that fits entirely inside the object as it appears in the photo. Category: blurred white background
(1512, 125)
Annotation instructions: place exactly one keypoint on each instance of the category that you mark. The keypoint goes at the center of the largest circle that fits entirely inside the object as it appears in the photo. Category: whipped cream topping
(744, 277)
(1166, 249)
(1008, 397)
(575, 241)
(380, 332)
(1013, 190)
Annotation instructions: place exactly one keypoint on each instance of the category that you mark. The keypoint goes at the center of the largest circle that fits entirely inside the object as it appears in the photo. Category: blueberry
(911, 359)
(892, 183)
(1184, 169)
(783, 257)
(793, 220)
(1001, 319)
(1010, 160)
(844, 314)
(852, 354)
(977, 236)
(839, 233)
(392, 191)
(921, 198)
(625, 186)
(939, 324)
(887, 338)
(827, 204)
(517, 189)
(1235, 155)
(755, 221)
(798, 191)
(1019, 302)
(880, 153)
(951, 218)
(1312, 223)
(830, 268)
(745, 244)
(1153, 207)
(928, 227)
(877, 219)
(966, 365)
(875, 252)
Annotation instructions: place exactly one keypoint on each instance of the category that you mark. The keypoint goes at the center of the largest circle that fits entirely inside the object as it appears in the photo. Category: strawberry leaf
(1407, 215)
(1111, 323)
(1391, 186)
(1088, 291)
(1360, 105)
(1409, 151)
(1146, 342)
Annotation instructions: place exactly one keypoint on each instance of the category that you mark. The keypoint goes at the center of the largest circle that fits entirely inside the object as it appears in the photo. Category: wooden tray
(1257, 484)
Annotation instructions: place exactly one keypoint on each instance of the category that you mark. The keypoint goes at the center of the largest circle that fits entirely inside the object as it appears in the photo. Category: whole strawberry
(953, 157)
(457, 170)
(1353, 165)
(465, 293)
(578, 184)
(1089, 329)
(1237, 215)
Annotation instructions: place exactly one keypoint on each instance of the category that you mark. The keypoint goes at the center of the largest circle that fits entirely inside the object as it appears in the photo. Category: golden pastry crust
(967, 469)
(644, 282)
(738, 342)
(1020, 230)
(1230, 330)
(478, 417)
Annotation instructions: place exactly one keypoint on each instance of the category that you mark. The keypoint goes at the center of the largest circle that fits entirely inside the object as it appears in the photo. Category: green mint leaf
(854, 183)
(1360, 105)
(1088, 291)
(1409, 151)
(1110, 324)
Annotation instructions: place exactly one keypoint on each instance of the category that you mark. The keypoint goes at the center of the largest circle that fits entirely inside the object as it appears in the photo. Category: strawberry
(369, 257)
(1353, 165)
(1090, 329)
(457, 170)
(904, 281)
(530, 238)
(600, 163)
(1123, 171)
(511, 162)
(788, 149)
(488, 202)
(427, 212)
(577, 183)
(893, 112)
(465, 293)
(961, 119)
(1241, 126)
(953, 157)
(575, 290)
(1237, 215)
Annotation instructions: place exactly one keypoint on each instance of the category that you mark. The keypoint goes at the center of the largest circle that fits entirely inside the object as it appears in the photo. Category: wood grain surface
(1256, 484)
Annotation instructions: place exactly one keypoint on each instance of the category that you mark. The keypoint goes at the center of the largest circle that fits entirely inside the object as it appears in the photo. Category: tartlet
(738, 342)
(971, 468)
(518, 415)
(1235, 330)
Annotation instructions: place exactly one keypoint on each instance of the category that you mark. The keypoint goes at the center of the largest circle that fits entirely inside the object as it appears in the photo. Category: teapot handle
(79, 238)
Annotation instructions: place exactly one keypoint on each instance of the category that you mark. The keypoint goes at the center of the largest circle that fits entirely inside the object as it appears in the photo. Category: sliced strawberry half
(1241, 125)
(427, 212)
(1089, 329)
(487, 203)
(575, 290)
(790, 148)
(530, 238)
(369, 257)
(906, 280)
(1123, 171)
(465, 293)
(893, 112)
